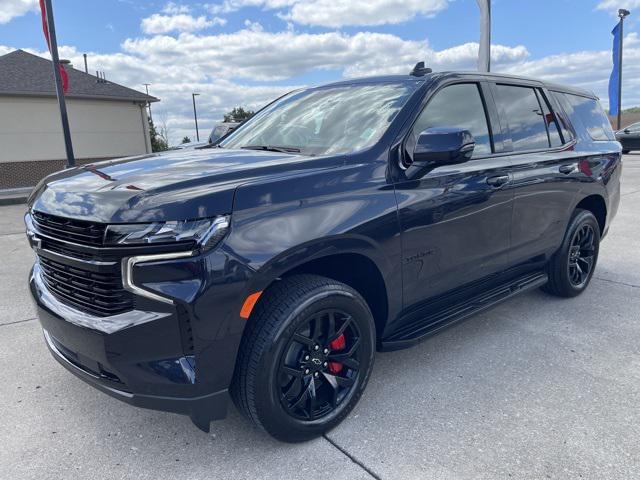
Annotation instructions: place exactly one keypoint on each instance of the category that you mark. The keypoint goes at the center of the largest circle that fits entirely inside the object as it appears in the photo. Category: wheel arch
(357, 271)
(350, 260)
(596, 205)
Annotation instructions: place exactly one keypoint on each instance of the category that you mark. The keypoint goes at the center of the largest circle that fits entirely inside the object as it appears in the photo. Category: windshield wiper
(272, 148)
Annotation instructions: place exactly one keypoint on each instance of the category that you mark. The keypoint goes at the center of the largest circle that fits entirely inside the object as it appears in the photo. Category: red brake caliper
(337, 344)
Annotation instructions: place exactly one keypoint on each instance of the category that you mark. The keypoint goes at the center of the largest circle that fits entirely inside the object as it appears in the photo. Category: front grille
(58, 247)
(69, 230)
(100, 294)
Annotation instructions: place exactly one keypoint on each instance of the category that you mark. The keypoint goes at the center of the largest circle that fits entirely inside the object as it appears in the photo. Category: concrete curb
(15, 196)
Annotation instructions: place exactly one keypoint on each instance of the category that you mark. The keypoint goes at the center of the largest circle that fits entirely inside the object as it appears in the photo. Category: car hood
(178, 185)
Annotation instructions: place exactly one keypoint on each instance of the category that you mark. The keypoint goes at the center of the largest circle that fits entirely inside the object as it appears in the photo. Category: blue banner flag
(613, 79)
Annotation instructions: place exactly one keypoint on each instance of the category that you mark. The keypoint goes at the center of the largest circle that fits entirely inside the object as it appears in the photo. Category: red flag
(45, 29)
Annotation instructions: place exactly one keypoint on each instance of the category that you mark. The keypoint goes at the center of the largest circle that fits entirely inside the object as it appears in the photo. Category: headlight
(207, 232)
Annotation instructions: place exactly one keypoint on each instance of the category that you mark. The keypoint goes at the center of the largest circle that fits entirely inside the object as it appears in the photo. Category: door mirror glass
(443, 146)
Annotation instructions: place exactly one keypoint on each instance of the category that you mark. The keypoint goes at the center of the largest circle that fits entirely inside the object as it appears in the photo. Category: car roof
(465, 74)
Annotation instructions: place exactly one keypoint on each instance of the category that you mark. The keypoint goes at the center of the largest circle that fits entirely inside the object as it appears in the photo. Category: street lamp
(146, 86)
(622, 13)
(195, 114)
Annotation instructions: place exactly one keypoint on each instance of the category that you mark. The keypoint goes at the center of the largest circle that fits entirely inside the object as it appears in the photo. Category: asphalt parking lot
(538, 387)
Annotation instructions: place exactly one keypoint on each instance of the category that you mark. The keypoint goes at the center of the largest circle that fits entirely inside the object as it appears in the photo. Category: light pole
(195, 114)
(484, 52)
(146, 86)
(622, 13)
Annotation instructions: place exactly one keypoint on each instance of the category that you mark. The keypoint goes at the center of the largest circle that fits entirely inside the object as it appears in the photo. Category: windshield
(325, 121)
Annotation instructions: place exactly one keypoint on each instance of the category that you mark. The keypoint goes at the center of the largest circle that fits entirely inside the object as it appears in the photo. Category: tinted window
(520, 108)
(457, 106)
(552, 123)
(587, 113)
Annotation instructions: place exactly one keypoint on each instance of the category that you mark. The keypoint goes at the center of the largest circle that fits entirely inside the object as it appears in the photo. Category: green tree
(158, 140)
(238, 114)
(186, 140)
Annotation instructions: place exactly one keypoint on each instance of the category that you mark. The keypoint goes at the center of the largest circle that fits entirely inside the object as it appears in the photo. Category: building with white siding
(106, 120)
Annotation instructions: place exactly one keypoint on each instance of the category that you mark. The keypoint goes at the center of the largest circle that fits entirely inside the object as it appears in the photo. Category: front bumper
(202, 410)
(142, 357)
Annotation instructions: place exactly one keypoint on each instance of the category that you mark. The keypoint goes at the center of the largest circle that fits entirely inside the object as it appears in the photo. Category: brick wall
(28, 174)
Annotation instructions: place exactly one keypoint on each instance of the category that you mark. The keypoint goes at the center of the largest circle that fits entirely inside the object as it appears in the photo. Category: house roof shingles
(22, 73)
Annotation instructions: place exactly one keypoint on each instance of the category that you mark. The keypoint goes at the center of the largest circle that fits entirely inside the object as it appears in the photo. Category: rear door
(456, 218)
(543, 164)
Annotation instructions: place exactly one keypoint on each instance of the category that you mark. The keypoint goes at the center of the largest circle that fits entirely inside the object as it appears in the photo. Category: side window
(520, 108)
(634, 127)
(551, 122)
(587, 113)
(562, 115)
(458, 106)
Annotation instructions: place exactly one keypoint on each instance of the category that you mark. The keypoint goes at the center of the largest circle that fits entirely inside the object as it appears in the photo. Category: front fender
(318, 249)
(280, 225)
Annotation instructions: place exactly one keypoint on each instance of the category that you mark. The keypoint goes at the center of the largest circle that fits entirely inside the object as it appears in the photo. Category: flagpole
(621, 13)
(53, 47)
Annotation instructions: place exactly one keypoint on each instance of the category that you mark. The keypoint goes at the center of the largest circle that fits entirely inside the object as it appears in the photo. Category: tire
(625, 152)
(582, 236)
(262, 383)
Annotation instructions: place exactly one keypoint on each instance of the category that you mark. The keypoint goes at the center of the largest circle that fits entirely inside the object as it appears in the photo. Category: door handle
(498, 181)
(567, 169)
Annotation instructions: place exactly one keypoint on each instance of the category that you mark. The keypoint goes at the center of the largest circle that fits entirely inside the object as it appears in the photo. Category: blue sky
(247, 51)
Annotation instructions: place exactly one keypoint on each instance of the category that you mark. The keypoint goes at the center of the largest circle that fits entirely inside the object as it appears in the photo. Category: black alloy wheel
(319, 366)
(581, 255)
(571, 268)
(305, 358)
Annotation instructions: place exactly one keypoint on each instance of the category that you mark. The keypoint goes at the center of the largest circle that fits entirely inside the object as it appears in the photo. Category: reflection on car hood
(182, 184)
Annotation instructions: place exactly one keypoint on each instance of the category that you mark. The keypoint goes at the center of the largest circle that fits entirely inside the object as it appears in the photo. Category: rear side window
(587, 114)
(520, 107)
(551, 121)
(460, 106)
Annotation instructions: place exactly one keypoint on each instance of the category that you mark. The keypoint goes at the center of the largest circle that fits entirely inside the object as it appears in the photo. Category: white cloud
(267, 56)
(227, 6)
(589, 70)
(159, 24)
(631, 39)
(614, 5)
(339, 13)
(10, 9)
(253, 26)
(172, 8)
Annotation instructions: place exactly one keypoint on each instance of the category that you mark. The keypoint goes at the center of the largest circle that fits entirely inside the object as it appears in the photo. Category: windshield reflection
(325, 121)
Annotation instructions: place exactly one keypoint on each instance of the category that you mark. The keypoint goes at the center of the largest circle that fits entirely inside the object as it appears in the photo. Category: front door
(455, 219)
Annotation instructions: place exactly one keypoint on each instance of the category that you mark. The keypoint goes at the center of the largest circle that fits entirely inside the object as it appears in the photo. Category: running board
(424, 326)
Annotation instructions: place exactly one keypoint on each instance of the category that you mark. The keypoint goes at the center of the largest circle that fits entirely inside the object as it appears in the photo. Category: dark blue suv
(340, 220)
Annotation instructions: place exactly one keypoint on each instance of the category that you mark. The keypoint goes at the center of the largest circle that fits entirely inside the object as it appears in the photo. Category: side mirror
(443, 146)
(627, 131)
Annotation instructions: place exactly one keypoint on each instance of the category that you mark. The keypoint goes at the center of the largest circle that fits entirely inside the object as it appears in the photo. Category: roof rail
(420, 70)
